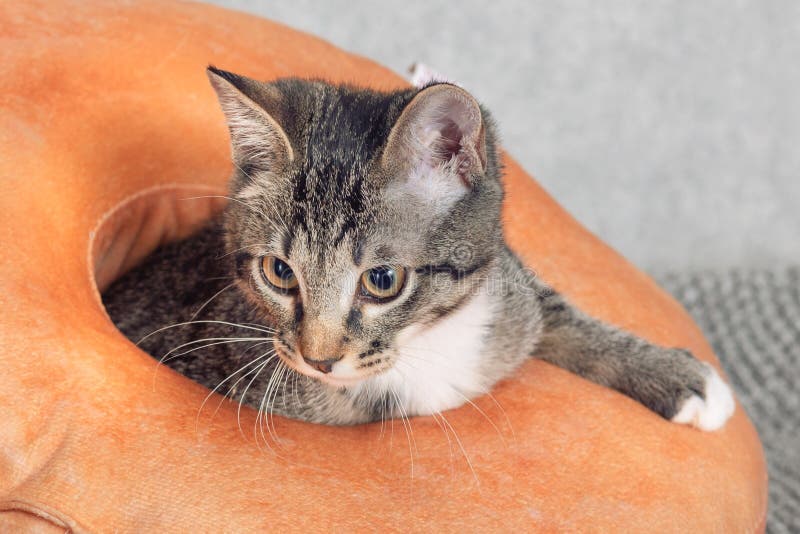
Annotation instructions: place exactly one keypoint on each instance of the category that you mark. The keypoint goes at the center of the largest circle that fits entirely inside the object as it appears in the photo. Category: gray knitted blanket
(752, 319)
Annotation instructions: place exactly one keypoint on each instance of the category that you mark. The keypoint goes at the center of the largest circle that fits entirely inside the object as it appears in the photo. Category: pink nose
(323, 366)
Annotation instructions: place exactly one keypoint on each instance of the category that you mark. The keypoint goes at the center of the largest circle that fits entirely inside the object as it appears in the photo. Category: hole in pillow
(129, 234)
(154, 265)
(138, 225)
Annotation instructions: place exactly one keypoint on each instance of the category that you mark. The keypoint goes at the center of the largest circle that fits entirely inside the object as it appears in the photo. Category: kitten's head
(359, 216)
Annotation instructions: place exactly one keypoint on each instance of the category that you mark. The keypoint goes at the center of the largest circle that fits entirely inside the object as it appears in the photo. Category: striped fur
(335, 180)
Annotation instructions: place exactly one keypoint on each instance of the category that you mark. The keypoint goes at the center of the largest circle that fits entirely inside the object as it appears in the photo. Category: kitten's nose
(323, 366)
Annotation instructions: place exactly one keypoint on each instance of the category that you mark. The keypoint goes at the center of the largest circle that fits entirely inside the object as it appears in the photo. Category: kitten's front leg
(671, 382)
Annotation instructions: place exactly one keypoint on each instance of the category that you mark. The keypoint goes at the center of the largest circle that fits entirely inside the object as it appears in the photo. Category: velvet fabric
(109, 134)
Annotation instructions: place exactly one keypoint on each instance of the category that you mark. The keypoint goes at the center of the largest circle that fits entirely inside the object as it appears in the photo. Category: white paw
(712, 412)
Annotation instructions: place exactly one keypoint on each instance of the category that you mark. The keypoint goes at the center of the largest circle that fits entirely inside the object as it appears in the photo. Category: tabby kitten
(360, 270)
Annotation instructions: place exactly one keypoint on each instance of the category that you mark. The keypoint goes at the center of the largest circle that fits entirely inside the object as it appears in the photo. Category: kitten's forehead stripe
(286, 244)
(340, 132)
(358, 252)
(384, 251)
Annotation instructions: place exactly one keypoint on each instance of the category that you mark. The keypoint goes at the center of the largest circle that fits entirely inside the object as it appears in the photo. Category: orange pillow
(108, 125)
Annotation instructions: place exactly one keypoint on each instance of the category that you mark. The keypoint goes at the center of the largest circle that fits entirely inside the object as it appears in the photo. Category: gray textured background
(671, 129)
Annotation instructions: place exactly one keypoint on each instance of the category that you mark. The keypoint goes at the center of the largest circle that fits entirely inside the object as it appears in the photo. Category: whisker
(244, 393)
(266, 330)
(505, 415)
(217, 341)
(234, 251)
(463, 450)
(240, 201)
(384, 400)
(285, 381)
(232, 389)
(406, 425)
(435, 416)
(269, 354)
(206, 303)
(215, 278)
(232, 199)
(258, 426)
(282, 378)
(222, 341)
(294, 388)
(480, 411)
(391, 435)
(211, 393)
(254, 309)
(270, 406)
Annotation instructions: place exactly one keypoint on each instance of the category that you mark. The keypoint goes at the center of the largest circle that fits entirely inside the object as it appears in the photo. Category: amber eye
(383, 282)
(278, 273)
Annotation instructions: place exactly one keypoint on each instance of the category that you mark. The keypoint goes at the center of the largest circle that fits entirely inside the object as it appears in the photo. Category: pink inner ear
(444, 140)
(450, 139)
(447, 129)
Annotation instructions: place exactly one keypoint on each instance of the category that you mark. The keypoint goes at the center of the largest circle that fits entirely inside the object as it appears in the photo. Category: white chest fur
(439, 367)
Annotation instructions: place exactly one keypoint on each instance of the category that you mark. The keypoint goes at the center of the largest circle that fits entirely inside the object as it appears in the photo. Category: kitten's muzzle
(323, 366)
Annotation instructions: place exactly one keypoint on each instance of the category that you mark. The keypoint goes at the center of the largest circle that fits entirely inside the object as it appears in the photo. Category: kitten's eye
(383, 282)
(278, 273)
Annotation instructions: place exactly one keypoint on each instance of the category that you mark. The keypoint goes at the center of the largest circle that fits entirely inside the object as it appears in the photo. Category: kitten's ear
(440, 130)
(250, 108)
